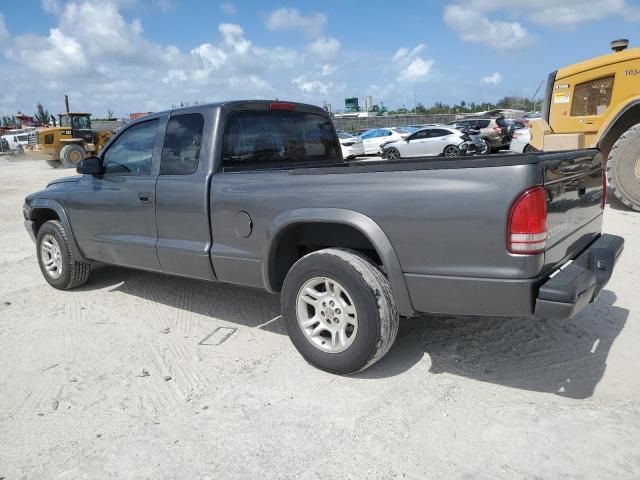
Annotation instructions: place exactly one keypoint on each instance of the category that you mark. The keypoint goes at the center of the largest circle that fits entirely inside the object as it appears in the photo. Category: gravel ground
(114, 380)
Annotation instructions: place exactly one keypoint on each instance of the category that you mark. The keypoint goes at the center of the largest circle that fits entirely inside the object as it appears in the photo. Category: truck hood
(71, 179)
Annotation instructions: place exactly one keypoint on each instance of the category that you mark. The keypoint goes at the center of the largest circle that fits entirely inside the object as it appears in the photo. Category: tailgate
(573, 183)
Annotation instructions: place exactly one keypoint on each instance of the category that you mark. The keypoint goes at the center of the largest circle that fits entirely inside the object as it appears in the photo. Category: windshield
(79, 122)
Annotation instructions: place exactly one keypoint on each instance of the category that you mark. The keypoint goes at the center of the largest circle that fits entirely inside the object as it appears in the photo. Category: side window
(182, 141)
(419, 135)
(131, 153)
(278, 137)
(439, 132)
(592, 98)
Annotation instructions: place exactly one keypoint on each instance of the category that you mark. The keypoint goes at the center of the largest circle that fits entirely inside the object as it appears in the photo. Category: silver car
(429, 142)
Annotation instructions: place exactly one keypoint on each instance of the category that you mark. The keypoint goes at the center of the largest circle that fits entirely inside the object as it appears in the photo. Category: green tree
(9, 121)
(42, 115)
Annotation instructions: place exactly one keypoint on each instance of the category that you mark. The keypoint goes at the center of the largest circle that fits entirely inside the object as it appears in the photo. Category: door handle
(144, 196)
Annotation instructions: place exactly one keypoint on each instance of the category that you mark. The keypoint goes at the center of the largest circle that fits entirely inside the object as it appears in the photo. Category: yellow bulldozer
(596, 104)
(66, 144)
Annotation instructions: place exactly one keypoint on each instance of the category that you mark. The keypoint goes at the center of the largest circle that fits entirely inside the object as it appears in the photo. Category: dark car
(256, 193)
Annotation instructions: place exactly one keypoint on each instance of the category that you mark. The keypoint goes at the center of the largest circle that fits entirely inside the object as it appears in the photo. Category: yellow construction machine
(70, 141)
(596, 104)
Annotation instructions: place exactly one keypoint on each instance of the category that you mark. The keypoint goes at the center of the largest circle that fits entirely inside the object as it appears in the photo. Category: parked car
(17, 141)
(495, 132)
(432, 141)
(374, 138)
(358, 131)
(351, 145)
(520, 141)
(256, 193)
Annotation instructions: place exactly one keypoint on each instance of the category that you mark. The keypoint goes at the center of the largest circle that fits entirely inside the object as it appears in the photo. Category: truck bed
(445, 219)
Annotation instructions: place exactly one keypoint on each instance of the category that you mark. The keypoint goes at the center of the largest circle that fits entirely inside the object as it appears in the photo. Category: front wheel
(392, 154)
(339, 310)
(57, 264)
(623, 168)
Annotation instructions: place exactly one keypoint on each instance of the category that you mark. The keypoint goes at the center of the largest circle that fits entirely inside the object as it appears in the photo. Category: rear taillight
(604, 188)
(286, 106)
(527, 225)
(497, 129)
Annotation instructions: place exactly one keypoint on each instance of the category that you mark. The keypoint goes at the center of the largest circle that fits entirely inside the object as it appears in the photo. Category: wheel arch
(626, 118)
(43, 210)
(281, 250)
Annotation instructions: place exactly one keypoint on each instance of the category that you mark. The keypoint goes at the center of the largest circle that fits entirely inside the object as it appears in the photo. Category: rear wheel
(451, 151)
(339, 310)
(486, 148)
(530, 149)
(623, 168)
(71, 155)
(392, 154)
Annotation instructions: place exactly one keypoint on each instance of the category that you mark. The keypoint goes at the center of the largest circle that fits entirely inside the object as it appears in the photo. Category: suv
(495, 132)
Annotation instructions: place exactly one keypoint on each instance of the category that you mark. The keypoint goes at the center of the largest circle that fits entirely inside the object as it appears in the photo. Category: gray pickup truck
(256, 193)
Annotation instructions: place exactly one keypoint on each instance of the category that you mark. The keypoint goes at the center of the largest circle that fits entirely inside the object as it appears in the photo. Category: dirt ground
(116, 380)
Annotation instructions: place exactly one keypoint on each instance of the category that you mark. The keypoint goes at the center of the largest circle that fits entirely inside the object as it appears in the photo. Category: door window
(182, 141)
(131, 153)
(419, 135)
(592, 98)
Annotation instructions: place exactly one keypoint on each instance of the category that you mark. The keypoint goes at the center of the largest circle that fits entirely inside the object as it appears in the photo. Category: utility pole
(415, 103)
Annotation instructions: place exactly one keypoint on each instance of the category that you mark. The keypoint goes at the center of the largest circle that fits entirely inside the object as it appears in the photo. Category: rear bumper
(578, 283)
(559, 296)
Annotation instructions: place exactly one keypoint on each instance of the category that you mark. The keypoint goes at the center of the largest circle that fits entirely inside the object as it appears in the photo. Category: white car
(17, 140)
(520, 141)
(373, 139)
(429, 142)
(351, 145)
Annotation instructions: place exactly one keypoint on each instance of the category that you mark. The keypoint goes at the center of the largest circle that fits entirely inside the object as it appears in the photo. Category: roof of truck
(601, 61)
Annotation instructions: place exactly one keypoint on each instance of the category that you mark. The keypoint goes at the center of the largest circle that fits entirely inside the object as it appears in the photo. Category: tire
(56, 261)
(623, 168)
(71, 155)
(451, 151)
(54, 163)
(368, 310)
(486, 150)
(529, 149)
(392, 153)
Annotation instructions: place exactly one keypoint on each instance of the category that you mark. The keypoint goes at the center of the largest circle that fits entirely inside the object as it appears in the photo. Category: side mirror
(90, 166)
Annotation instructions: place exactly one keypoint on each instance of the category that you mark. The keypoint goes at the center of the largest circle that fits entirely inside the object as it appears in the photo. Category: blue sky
(138, 55)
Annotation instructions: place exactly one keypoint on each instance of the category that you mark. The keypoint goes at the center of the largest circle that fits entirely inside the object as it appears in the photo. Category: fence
(355, 123)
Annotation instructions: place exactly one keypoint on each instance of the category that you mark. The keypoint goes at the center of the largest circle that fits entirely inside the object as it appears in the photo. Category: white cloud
(325, 48)
(412, 67)
(478, 28)
(312, 86)
(228, 8)
(493, 79)
(418, 69)
(565, 13)
(328, 70)
(4, 32)
(292, 19)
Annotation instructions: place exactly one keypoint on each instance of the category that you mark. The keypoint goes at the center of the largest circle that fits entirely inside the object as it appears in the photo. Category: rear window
(278, 138)
(483, 123)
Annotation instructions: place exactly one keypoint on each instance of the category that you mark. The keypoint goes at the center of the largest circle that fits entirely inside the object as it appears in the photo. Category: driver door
(415, 144)
(113, 214)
